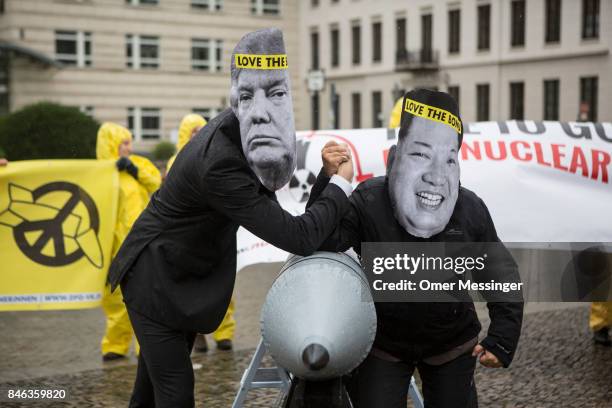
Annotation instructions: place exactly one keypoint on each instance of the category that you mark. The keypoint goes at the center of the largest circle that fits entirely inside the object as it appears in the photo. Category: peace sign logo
(55, 224)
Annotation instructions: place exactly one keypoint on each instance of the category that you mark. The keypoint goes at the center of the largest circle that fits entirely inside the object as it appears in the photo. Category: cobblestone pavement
(40, 344)
(556, 364)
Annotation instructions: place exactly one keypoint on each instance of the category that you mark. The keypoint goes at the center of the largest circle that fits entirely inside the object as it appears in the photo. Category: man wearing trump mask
(177, 266)
(421, 200)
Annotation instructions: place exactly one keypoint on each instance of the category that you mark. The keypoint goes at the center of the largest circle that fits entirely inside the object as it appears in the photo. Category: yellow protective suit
(601, 315)
(226, 329)
(133, 198)
(396, 114)
(188, 124)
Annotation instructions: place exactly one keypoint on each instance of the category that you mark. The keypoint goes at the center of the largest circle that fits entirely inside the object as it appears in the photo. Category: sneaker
(112, 357)
(602, 337)
(225, 344)
(200, 345)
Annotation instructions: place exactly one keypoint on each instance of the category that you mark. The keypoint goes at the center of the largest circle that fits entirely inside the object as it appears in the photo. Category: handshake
(337, 160)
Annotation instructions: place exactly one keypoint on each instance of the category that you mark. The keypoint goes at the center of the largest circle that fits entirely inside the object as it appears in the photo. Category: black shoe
(602, 337)
(112, 357)
(200, 345)
(225, 345)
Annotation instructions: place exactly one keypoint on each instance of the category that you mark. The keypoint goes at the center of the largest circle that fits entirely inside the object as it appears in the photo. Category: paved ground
(38, 344)
(556, 364)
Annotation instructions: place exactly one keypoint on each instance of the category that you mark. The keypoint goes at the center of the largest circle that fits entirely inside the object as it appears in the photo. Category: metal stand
(256, 376)
(415, 394)
(299, 393)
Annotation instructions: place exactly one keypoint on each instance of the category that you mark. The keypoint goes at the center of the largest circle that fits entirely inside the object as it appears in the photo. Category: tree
(48, 130)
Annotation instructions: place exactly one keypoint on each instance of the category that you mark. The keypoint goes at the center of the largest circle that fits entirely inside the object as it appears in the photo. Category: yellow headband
(249, 61)
(432, 113)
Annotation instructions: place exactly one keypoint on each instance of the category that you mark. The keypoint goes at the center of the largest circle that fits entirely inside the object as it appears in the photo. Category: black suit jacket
(412, 331)
(178, 263)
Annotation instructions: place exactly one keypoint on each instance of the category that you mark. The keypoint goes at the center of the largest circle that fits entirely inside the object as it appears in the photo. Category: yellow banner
(57, 219)
(248, 61)
(432, 113)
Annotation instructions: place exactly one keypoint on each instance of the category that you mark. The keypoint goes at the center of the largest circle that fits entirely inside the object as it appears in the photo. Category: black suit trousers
(165, 374)
(379, 383)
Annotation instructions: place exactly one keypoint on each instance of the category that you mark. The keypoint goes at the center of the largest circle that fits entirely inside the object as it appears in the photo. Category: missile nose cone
(315, 356)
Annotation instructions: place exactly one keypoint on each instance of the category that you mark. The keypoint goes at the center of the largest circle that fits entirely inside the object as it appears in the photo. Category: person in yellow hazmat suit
(223, 336)
(396, 114)
(600, 322)
(138, 178)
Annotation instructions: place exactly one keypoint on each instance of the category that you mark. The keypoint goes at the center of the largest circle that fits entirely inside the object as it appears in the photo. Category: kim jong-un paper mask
(424, 174)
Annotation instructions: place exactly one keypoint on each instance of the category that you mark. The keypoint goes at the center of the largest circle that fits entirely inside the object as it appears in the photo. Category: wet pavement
(556, 364)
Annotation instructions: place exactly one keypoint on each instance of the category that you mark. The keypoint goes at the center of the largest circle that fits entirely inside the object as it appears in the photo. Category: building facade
(146, 63)
(140, 63)
(501, 59)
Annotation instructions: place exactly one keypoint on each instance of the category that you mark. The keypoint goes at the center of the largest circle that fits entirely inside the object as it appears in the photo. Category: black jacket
(178, 263)
(412, 331)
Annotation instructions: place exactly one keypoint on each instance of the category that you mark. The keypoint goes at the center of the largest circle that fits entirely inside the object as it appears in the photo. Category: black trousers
(165, 373)
(379, 383)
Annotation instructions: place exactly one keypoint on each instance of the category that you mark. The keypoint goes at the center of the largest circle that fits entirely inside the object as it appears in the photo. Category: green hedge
(48, 131)
(163, 150)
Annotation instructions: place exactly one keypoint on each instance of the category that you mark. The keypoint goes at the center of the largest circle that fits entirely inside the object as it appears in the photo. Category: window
(144, 123)
(590, 19)
(551, 99)
(315, 111)
(356, 102)
(336, 108)
(377, 41)
(454, 31)
(356, 43)
(484, 27)
(142, 2)
(142, 51)
(482, 102)
(400, 39)
(210, 5)
(73, 48)
(314, 50)
(518, 23)
(553, 21)
(265, 7)
(377, 109)
(517, 93)
(453, 90)
(426, 38)
(588, 96)
(207, 113)
(335, 46)
(206, 54)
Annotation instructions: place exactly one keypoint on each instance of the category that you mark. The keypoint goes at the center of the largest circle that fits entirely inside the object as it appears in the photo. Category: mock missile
(318, 320)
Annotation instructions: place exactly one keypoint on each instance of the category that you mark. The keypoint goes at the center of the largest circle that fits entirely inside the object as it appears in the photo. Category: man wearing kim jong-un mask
(421, 200)
(177, 266)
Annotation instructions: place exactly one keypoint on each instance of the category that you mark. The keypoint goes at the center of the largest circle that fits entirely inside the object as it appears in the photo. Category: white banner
(542, 181)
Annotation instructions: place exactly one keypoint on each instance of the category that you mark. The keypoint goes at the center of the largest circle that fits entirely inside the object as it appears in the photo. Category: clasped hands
(337, 160)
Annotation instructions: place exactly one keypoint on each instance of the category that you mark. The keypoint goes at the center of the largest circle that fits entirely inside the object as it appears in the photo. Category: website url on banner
(50, 298)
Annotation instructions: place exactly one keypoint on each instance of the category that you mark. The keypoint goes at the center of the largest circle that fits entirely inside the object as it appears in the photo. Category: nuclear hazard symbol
(55, 224)
(303, 179)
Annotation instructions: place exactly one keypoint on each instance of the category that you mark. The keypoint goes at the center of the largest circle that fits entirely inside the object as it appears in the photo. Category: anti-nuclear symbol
(55, 224)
